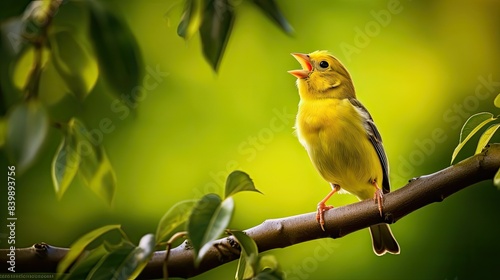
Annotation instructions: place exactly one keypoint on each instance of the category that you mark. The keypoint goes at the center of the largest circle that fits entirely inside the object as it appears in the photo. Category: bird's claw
(320, 214)
(379, 199)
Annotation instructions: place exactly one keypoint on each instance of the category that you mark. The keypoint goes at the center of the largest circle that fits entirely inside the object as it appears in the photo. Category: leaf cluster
(200, 221)
(54, 50)
(472, 126)
(214, 20)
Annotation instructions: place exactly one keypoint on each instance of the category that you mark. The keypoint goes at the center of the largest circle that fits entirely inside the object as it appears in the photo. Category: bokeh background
(418, 66)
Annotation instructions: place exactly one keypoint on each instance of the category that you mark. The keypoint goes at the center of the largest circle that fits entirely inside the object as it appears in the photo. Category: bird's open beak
(305, 62)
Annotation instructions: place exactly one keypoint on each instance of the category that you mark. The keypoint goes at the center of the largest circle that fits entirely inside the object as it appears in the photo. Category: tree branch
(283, 232)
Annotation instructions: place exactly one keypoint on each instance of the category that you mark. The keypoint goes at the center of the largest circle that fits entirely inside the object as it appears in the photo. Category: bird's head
(322, 76)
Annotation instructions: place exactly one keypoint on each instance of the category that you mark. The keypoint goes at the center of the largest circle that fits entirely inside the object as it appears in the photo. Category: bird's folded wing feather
(376, 141)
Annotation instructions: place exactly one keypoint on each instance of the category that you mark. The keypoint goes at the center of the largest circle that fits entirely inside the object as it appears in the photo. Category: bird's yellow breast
(333, 134)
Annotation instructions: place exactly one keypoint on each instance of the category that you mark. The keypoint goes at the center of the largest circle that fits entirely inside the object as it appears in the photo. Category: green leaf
(26, 130)
(496, 179)
(117, 52)
(142, 255)
(191, 18)
(247, 263)
(78, 246)
(239, 181)
(74, 63)
(125, 261)
(244, 269)
(84, 264)
(215, 30)
(207, 221)
(247, 244)
(114, 265)
(95, 166)
(13, 32)
(269, 262)
(269, 269)
(497, 101)
(471, 126)
(175, 216)
(52, 86)
(485, 138)
(65, 164)
(103, 179)
(271, 9)
(22, 67)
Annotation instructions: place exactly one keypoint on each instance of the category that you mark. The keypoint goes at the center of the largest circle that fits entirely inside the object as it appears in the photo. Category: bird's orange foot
(320, 213)
(378, 197)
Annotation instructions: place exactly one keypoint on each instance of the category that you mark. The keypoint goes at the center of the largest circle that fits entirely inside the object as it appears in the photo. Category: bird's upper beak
(305, 62)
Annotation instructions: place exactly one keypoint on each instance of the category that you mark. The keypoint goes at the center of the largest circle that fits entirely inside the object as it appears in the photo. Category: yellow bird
(341, 138)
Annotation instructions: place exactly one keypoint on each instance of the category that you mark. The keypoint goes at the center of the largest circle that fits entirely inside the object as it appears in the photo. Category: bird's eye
(323, 64)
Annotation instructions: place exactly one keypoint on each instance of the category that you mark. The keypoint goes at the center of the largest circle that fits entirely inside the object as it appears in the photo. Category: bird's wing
(376, 141)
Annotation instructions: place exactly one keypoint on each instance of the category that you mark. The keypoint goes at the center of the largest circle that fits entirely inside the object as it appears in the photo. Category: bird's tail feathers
(383, 241)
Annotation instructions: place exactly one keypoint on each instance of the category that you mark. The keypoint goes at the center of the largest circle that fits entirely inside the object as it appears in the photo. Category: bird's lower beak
(305, 62)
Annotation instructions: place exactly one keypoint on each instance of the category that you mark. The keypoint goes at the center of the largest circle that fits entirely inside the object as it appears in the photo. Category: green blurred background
(417, 71)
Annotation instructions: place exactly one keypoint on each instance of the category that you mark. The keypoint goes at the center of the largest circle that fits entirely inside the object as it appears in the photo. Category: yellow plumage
(341, 138)
(327, 129)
